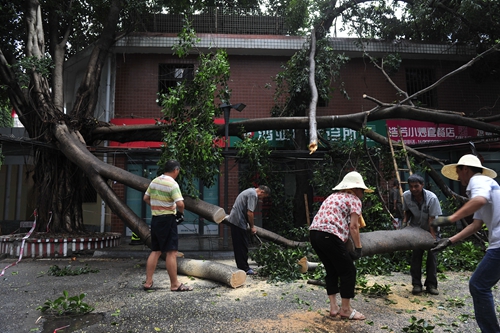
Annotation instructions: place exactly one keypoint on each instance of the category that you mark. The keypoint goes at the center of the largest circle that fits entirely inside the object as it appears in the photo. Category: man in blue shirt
(420, 208)
(242, 214)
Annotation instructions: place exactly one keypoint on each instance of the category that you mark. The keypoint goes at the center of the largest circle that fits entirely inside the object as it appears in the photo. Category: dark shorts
(164, 235)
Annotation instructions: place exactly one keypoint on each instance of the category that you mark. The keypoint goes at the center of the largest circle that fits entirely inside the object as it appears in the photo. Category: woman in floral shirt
(338, 218)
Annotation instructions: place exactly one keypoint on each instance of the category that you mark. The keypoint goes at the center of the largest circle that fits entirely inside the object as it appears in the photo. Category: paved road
(122, 306)
(257, 307)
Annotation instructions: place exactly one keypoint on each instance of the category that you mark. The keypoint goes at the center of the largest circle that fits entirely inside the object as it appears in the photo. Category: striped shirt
(164, 192)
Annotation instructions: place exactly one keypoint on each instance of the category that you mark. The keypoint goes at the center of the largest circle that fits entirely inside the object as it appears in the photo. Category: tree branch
(387, 77)
(456, 71)
(313, 137)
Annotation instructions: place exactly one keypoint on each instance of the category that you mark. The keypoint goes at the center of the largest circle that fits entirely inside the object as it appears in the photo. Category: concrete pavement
(121, 305)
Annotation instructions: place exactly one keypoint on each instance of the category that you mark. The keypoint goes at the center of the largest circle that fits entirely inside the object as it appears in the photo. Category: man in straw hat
(484, 204)
(338, 218)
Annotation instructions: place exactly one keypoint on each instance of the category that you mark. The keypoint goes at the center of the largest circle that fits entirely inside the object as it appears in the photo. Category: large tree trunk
(212, 270)
(373, 242)
(59, 187)
(72, 145)
(388, 241)
(59, 183)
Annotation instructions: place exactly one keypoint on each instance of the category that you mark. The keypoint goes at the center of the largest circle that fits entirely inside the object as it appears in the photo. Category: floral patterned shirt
(334, 215)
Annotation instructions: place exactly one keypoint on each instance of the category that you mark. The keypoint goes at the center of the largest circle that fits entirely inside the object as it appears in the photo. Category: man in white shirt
(484, 203)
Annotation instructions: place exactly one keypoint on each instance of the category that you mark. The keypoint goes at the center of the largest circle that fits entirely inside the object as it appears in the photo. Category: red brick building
(139, 65)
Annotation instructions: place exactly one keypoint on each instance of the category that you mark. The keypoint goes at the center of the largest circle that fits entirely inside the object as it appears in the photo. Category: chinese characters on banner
(415, 132)
(282, 138)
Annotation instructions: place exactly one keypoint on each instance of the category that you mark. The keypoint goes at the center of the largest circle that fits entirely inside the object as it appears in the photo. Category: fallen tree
(384, 241)
(373, 242)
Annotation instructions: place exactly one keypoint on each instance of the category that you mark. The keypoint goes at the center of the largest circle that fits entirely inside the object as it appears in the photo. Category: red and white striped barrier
(22, 245)
(50, 247)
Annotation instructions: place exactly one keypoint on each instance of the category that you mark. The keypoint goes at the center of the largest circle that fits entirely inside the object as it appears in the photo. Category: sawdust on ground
(451, 311)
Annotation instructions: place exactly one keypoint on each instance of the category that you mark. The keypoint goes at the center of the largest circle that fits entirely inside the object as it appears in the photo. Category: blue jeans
(484, 278)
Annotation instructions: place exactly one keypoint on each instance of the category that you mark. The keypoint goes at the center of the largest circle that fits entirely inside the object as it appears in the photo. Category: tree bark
(212, 270)
(388, 241)
(313, 135)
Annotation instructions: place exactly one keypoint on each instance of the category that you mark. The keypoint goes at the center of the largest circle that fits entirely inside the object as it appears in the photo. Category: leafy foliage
(468, 21)
(281, 264)
(384, 264)
(66, 305)
(277, 263)
(187, 39)
(344, 157)
(464, 256)
(29, 65)
(6, 119)
(297, 15)
(376, 290)
(189, 111)
(254, 153)
(257, 168)
(293, 93)
(418, 326)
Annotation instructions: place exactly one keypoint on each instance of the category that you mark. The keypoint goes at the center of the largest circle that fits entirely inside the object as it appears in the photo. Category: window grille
(418, 79)
(171, 75)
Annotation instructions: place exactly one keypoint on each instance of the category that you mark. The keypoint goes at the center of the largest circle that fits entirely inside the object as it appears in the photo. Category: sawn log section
(212, 270)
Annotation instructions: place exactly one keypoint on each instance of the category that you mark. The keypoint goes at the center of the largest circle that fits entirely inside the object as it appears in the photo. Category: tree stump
(307, 265)
(212, 270)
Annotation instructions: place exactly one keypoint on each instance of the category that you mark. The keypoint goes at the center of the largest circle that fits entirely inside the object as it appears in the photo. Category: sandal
(148, 288)
(182, 287)
(352, 316)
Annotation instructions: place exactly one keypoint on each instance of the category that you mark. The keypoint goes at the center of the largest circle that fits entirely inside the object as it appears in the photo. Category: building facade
(142, 64)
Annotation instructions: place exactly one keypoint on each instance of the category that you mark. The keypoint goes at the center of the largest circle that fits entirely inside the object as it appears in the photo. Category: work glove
(441, 245)
(441, 221)
(356, 254)
(179, 217)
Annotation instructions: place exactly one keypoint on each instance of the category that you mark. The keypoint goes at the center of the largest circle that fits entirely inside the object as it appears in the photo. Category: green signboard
(283, 138)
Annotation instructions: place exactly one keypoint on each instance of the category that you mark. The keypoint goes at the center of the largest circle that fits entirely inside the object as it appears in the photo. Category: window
(418, 79)
(171, 75)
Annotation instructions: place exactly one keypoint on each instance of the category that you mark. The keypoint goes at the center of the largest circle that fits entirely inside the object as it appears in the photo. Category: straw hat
(352, 180)
(450, 170)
